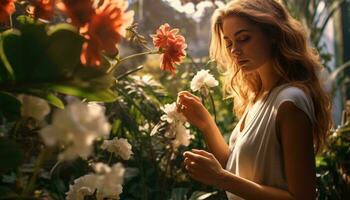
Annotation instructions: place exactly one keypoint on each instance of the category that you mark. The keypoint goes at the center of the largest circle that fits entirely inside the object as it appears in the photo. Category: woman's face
(249, 47)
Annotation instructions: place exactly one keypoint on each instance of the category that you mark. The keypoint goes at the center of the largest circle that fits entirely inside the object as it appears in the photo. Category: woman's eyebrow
(240, 31)
(237, 33)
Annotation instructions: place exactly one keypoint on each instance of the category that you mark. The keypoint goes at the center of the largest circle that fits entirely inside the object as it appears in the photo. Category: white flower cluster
(34, 107)
(120, 147)
(177, 130)
(171, 114)
(203, 79)
(76, 127)
(107, 182)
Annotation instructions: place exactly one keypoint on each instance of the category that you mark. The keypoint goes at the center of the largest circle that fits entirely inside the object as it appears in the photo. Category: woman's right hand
(193, 109)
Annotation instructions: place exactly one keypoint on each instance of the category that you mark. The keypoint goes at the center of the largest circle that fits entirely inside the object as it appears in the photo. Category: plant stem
(138, 54)
(213, 105)
(54, 167)
(130, 72)
(31, 185)
(11, 23)
(110, 158)
(130, 57)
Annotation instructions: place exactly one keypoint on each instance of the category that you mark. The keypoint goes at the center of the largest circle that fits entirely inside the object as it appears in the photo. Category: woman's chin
(247, 70)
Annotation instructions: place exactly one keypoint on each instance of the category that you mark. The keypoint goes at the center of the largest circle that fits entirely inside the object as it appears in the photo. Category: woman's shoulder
(298, 96)
(292, 91)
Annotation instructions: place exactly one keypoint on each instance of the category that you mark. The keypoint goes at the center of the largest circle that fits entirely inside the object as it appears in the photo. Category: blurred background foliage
(134, 94)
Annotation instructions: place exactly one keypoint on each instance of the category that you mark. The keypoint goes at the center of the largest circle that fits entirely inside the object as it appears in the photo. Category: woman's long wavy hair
(295, 61)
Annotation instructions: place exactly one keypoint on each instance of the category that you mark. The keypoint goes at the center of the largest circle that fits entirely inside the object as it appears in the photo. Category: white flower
(120, 147)
(203, 78)
(101, 168)
(83, 186)
(176, 131)
(107, 185)
(111, 184)
(171, 114)
(183, 136)
(76, 127)
(34, 107)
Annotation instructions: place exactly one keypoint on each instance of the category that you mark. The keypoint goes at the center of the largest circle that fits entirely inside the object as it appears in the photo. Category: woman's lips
(241, 62)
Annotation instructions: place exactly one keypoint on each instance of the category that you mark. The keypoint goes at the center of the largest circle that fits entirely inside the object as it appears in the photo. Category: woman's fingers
(193, 157)
(203, 153)
(187, 101)
(188, 94)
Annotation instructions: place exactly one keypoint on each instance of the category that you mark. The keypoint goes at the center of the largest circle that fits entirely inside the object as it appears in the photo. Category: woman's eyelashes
(243, 39)
(239, 40)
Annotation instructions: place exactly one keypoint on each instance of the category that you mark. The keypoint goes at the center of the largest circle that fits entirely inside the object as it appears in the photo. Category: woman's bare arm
(198, 116)
(216, 142)
(298, 153)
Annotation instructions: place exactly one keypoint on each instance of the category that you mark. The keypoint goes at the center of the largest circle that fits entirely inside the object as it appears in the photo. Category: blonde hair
(294, 59)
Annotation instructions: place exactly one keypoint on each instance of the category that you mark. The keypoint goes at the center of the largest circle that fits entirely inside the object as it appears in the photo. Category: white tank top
(255, 152)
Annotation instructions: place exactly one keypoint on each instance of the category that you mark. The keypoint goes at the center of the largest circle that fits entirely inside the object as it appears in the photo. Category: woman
(284, 112)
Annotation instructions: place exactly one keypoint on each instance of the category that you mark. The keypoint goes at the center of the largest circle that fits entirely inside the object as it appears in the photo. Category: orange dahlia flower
(105, 30)
(160, 39)
(7, 7)
(79, 11)
(171, 45)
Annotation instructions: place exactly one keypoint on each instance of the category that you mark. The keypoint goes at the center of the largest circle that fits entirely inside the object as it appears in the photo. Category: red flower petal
(79, 11)
(172, 45)
(7, 7)
(105, 30)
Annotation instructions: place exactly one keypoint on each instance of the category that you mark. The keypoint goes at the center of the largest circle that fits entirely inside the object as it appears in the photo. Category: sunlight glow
(196, 12)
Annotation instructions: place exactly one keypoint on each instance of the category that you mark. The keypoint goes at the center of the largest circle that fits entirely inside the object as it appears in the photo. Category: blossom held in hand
(201, 79)
(80, 12)
(120, 147)
(171, 114)
(76, 127)
(171, 45)
(182, 135)
(176, 130)
(105, 29)
(7, 7)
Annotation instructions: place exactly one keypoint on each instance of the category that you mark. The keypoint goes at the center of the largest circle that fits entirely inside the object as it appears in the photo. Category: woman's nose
(235, 50)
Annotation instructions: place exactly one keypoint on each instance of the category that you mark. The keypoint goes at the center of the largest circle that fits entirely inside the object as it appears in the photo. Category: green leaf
(64, 47)
(106, 95)
(49, 97)
(4, 75)
(42, 92)
(10, 106)
(116, 125)
(96, 79)
(320, 162)
(24, 19)
(53, 100)
(7, 72)
(26, 52)
(10, 155)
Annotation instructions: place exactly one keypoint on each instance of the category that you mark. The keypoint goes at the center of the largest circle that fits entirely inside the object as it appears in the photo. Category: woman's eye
(229, 45)
(243, 38)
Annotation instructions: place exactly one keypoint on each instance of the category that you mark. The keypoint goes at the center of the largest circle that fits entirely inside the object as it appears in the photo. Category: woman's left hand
(202, 166)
